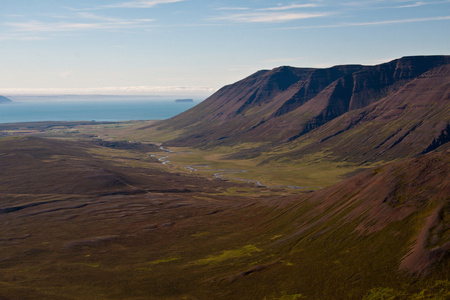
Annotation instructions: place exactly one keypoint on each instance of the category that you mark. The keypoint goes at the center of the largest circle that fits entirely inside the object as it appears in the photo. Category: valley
(123, 219)
(290, 184)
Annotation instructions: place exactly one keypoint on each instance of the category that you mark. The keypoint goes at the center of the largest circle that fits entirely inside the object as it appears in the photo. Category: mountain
(3, 99)
(411, 121)
(405, 101)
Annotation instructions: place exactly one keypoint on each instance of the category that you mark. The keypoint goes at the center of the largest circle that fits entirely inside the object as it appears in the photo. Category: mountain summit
(404, 101)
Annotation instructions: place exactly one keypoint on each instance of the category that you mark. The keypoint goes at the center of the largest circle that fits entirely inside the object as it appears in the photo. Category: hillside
(4, 99)
(406, 101)
(103, 220)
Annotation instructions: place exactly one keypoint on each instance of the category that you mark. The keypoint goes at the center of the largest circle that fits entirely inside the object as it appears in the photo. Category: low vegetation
(122, 225)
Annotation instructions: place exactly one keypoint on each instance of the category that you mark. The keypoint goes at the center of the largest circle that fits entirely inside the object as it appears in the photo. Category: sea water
(90, 109)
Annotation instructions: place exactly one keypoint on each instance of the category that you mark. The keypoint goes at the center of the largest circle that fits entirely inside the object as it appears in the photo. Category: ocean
(90, 108)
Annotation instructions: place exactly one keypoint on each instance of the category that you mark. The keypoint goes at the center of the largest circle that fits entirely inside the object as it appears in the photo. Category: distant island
(3, 99)
(184, 100)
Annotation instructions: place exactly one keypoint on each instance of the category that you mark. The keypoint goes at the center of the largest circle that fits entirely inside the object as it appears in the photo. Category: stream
(221, 173)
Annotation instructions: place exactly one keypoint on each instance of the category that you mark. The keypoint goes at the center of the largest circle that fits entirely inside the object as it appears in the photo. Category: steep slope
(378, 231)
(393, 193)
(412, 121)
(284, 104)
(241, 107)
(4, 99)
(237, 110)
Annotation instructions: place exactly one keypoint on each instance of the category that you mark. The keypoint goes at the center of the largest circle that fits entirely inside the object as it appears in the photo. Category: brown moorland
(85, 222)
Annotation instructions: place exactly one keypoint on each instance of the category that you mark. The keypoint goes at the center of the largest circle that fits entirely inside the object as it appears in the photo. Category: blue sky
(194, 47)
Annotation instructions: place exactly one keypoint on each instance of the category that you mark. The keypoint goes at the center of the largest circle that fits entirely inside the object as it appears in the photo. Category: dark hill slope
(385, 227)
(374, 200)
(381, 228)
(286, 103)
(37, 166)
(40, 166)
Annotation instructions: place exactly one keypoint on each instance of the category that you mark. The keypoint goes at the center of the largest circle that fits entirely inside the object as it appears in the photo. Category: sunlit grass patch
(86, 264)
(308, 173)
(164, 260)
(292, 297)
(200, 234)
(439, 290)
(10, 138)
(229, 254)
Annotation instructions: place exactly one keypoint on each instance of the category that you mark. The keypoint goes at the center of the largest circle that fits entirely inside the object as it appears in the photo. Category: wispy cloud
(34, 26)
(289, 7)
(79, 19)
(417, 4)
(421, 3)
(92, 16)
(386, 4)
(269, 17)
(281, 13)
(33, 29)
(141, 4)
(362, 3)
(129, 4)
(376, 23)
(232, 8)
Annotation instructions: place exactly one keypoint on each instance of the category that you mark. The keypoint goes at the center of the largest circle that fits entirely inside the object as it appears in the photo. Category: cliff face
(411, 121)
(373, 83)
(286, 103)
(3, 99)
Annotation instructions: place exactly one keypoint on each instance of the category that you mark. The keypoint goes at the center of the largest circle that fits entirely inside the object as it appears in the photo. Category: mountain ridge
(279, 106)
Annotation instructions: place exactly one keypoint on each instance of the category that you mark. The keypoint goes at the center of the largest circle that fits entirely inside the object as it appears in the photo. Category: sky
(193, 47)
